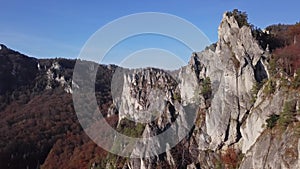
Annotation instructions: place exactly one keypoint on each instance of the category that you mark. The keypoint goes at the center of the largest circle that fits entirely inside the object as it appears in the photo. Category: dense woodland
(38, 126)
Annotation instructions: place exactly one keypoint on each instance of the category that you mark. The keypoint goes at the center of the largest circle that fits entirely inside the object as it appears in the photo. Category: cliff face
(234, 67)
(231, 116)
(216, 111)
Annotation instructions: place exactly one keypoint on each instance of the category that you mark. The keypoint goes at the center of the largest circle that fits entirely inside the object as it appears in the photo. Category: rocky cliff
(225, 109)
(230, 117)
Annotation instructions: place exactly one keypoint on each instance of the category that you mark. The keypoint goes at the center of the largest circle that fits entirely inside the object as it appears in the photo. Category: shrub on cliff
(287, 115)
(206, 88)
(240, 17)
(272, 121)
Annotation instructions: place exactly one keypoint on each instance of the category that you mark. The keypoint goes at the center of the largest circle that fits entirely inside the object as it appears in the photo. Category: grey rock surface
(228, 118)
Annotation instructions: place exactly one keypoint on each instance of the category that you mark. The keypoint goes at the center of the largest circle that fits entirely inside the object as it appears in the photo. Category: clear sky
(55, 28)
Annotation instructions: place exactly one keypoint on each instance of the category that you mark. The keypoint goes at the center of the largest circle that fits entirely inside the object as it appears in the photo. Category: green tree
(177, 96)
(254, 91)
(130, 128)
(287, 115)
(272, 67)
(272, 121)
(240, 17)
(206, 88)
(270, 87)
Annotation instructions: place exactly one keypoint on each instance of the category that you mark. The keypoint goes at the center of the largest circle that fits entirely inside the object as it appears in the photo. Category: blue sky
(54, 28)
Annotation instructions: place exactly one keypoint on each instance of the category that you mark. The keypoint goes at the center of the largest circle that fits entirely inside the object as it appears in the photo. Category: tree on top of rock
(240, 17)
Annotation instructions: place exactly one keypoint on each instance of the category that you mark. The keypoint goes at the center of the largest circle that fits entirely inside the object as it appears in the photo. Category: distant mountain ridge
(245, 86)
(36, 109)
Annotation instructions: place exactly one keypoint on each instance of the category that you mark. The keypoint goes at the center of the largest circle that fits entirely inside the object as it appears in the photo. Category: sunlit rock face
(233, 69)
(230, 117)
(207, 105)
(234, 65)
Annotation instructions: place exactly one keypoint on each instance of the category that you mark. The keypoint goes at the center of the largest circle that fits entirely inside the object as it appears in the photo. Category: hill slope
(238, 100)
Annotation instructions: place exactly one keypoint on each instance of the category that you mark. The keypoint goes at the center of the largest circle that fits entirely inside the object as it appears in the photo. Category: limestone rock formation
(229, 117)
(224, 109)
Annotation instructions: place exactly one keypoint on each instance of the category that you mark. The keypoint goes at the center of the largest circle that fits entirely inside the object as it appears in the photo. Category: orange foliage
(230, 158)
(288, 57)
